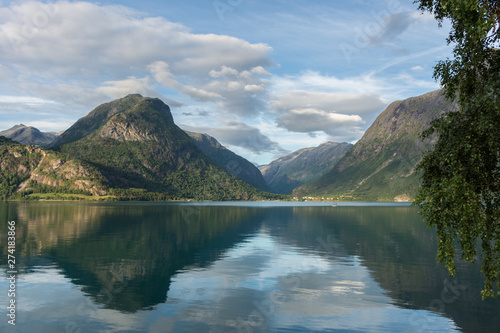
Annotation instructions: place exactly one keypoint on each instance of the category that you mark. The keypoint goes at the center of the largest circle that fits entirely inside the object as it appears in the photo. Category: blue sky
(263, 77)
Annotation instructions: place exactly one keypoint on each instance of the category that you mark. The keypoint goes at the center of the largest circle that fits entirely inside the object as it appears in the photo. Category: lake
(234, 267)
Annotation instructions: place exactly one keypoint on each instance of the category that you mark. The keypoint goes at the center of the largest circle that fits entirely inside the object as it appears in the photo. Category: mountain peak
(130, 118)
(138, 148)
(382, 164)
(28, 135)
(133, 96)
(303, 166)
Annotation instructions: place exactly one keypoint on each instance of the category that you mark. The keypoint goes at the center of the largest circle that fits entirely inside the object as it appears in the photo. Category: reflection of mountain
(124, 256)
(218, 262)
(51, 225)
(396, 247)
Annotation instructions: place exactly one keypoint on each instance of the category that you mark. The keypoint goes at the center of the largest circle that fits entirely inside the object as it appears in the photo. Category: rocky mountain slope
(138, 148)
(303, 166)
(26, 169)
(231, 162)
(29, 135)
(381, 166)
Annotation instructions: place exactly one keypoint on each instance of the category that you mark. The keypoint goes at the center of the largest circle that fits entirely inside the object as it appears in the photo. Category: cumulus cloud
(341, 108)
(71, 33)
(243, 93)
(161, 72)
(235, 133)
(75, 55)
(118, 50)
(259, 70)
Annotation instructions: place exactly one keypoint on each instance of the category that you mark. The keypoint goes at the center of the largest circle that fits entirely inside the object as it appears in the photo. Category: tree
(460, 192)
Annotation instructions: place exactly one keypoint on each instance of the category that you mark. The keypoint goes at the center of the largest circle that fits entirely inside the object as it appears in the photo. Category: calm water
(249, 267)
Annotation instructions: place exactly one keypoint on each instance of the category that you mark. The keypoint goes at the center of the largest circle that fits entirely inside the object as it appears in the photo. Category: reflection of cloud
(285, 288)
(290, 288)
(38, 286)
(47, 293)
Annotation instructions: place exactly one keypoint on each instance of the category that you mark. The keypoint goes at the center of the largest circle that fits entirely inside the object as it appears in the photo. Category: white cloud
(224, 71)
(117, 50)
(342, 108)
(239, 134)
(254, 88)
(315, 81)
(259, 70)
(339, 102)
(77, 55)
(312, 120)
(243, 92)
(131, 85)
(161, 72)
(114, 36)
(28, 100)
(417, 68)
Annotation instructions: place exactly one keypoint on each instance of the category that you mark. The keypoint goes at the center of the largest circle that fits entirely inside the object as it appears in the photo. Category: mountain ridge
(135, 143)
(381, 166)
(302, 166)
(29, 135)
(27, 170)
(231, 162)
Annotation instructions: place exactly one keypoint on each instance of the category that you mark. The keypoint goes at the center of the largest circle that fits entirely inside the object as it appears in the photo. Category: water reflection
(165, 267)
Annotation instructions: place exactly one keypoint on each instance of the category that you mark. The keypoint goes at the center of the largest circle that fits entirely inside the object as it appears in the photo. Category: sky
(264, 77)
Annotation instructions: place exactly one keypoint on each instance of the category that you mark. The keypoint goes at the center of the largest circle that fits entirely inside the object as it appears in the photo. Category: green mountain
(27, 170)
(136, 145)
(29, 135)
(231, 162)
(303, 166)
(381, 166)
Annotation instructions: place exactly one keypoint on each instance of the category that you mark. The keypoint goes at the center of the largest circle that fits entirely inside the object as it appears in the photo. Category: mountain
(303, 166)
(28, 135)
(27, 170)
(142, 153)
(234, 164)
(381, 166)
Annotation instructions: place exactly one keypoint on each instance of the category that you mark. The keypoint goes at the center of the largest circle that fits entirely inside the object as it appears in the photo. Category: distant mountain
(381, 166)
(138, 148)
(303, 166)
(28, 135)
(27, 170)
(234, 164)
